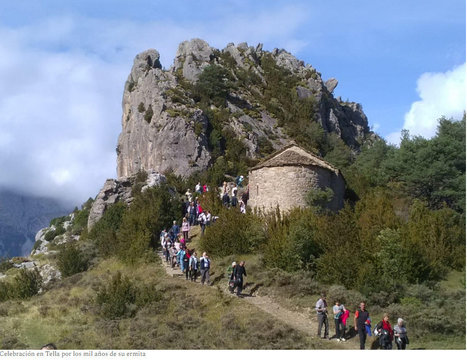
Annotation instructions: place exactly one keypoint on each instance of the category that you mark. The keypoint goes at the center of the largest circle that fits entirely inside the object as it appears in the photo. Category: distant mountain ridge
(21, 217)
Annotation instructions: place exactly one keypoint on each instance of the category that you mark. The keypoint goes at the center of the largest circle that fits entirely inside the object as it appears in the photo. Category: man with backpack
(360, 320)
(205, 265)
(322, 314)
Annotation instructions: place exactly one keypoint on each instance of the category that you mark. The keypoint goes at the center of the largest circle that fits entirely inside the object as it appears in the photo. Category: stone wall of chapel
(287, 186)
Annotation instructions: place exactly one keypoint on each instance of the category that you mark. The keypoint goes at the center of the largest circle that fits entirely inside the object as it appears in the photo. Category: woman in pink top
(185, 228)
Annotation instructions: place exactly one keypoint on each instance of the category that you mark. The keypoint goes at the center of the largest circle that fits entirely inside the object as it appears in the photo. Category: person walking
(231, 275)
(194, 265)
(338, 311)
(186, 262)
(202, 219)
(191, 211)
(189, 195)
(239, 272)
(360, 320)
(344, 318)
(205, 265)
(322, 313)
(175, 230)
(400, 333)
(180, 257)
(185, 228)
(386, 333)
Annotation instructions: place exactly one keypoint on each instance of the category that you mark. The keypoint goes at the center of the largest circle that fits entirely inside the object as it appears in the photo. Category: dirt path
(303, 322)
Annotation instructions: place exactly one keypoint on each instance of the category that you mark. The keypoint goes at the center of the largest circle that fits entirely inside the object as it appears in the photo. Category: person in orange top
(360, 320)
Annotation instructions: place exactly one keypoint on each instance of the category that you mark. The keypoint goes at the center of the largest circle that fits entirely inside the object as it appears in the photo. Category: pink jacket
(185, 227)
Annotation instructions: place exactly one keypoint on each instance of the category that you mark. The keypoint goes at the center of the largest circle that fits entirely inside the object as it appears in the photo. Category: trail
(307, 323)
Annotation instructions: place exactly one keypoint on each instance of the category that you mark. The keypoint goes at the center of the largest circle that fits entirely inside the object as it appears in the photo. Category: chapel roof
(293, 155)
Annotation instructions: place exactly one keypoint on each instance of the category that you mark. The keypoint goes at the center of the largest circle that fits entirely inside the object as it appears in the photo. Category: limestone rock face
(331, 84)
(156, 132)
(165, 128)
(192, 56)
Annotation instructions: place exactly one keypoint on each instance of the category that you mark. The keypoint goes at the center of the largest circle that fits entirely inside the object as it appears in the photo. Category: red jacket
(387, 326)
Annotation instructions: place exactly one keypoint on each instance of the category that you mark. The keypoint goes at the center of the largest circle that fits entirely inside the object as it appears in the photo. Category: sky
(63, 65)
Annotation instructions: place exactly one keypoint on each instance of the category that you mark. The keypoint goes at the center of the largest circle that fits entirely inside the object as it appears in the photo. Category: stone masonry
(286, 177)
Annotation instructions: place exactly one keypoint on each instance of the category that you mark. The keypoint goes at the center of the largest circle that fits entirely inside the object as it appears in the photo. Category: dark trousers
(205, 276)
(185, 236)
(362, 336)
(193, 274)
(239, 285)
(185, 266)
(401, 345)
(323, 319)
(339, 326)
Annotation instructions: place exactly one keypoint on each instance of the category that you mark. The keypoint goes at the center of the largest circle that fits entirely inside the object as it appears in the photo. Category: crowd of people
(178, 255)
(362, 325)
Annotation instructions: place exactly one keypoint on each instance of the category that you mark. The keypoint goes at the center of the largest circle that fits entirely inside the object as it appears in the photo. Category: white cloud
(441, 94)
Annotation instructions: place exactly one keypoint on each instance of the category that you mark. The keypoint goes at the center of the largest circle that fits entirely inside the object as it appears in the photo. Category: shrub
(71, 260)
(117, 299)
(233, 233)
(104, 232)
(319, 198)
(148, 114)
(51, 234)
(5, 264)
(80, 221)
(26, 284)
(59, 220)
(213, 84)
(150, 212)
(141, 107)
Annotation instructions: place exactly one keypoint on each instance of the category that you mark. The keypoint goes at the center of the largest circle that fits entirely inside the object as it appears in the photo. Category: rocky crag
(165, 128)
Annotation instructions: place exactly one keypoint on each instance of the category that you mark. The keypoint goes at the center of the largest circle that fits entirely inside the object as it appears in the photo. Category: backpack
(376, 331)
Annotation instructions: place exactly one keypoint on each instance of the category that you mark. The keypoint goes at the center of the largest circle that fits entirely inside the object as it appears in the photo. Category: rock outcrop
(165, 128)
(119, 190)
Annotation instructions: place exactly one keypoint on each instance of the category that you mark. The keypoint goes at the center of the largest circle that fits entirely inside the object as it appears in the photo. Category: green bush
(150, 212)
(59, 220)
(118, 298)
(26, 284)
(233, 233)
(5, 264)
(213, 84)
(148, 114)
(104, 232)
(71, 260)
(80, 221)
(51, 234)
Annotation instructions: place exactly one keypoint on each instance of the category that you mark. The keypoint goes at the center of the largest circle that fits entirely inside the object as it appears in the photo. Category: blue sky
(63, 65)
